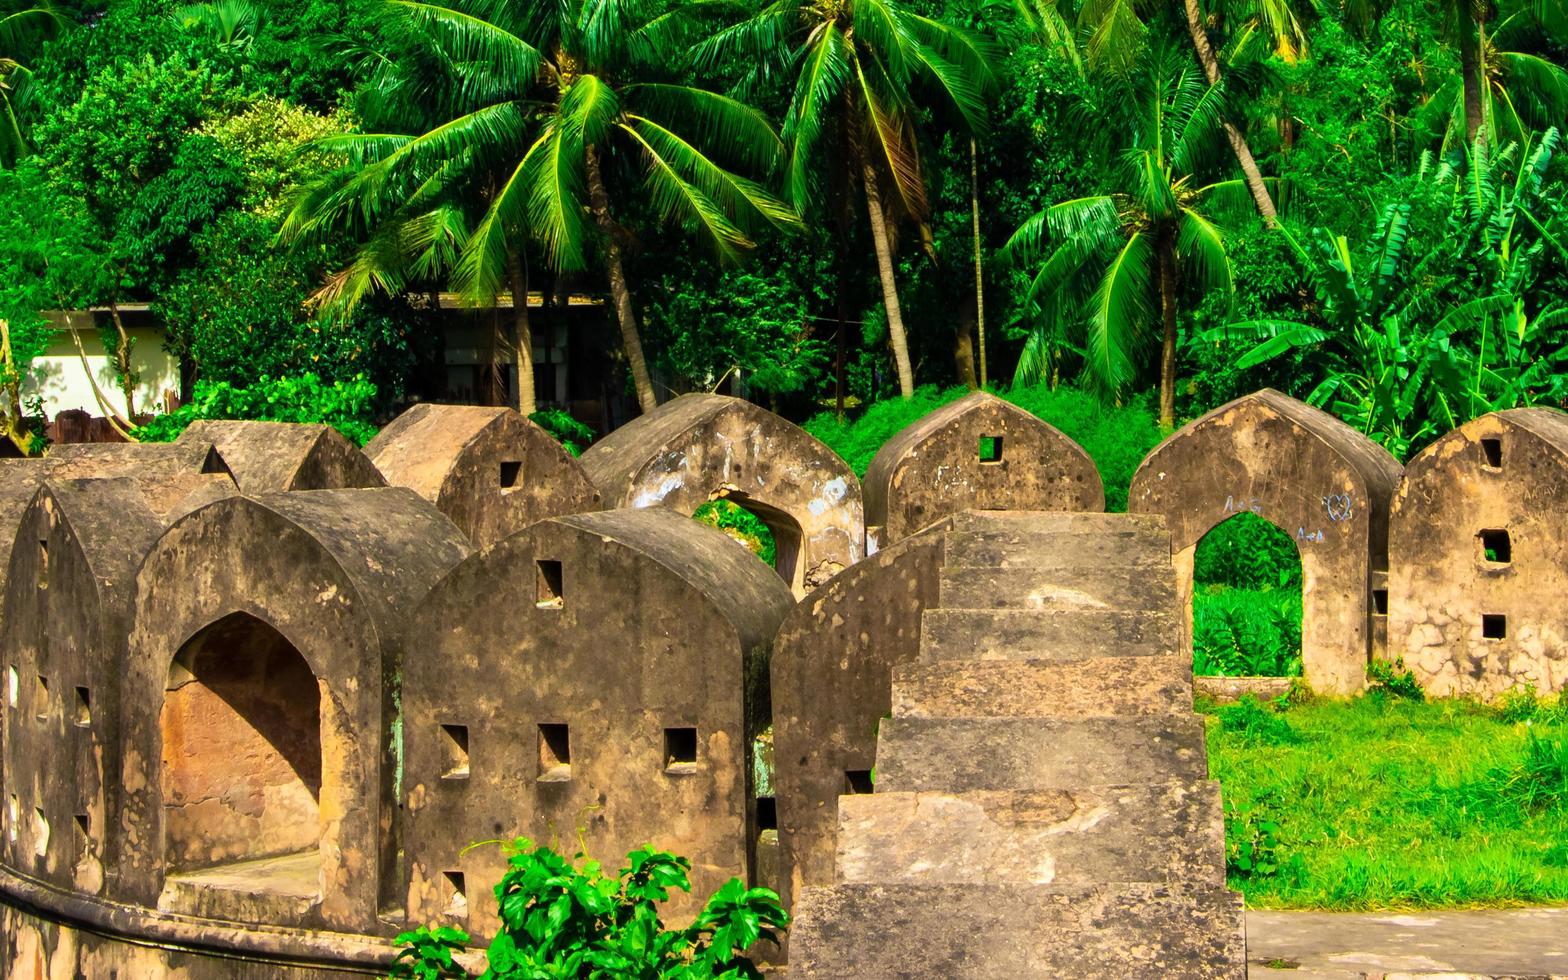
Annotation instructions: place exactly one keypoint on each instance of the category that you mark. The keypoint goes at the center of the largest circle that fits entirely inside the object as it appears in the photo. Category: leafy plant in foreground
(1393, 680)
(567, 431)
(563, 920)
(1253, 848)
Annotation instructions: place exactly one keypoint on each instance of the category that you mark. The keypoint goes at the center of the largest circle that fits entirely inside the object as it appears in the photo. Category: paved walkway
(1511, 943)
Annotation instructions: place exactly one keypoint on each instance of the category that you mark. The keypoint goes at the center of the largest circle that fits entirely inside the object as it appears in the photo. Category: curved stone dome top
(697, 448)
(492, 471)
(267, 457)
(979, 452)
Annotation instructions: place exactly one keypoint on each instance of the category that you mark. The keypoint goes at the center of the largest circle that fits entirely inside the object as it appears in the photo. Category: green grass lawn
(1387, 803)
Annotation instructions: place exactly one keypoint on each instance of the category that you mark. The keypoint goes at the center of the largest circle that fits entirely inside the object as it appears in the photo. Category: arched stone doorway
(241, 757)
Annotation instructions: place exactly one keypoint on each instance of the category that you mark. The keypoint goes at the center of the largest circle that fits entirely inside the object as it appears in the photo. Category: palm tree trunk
(522, 339)
(895, 317)
(599, 203)
(1166, 256)
(1250, 173)
(1470, 49)
(974, 218)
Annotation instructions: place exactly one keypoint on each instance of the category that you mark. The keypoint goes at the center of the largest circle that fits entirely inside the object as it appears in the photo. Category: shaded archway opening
(241, 761)
(769, 533)
(1246, 601)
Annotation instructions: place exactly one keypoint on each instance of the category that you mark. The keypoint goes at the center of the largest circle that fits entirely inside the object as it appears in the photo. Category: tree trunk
(964, 354)
(122, 362)
(599, 203)
(1166, 250)
(895, 317)
(1470, 49)
(974, 215)
(522, 339)
(1250, 173)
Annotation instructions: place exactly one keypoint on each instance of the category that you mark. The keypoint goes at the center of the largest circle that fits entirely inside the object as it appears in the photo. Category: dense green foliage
(740, 524)
(1387, 803)
(560, 919)
(344, 405)
(763, 187)
(1246, 601)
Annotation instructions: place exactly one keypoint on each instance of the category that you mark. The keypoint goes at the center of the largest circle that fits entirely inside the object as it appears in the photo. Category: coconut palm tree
(1504, 91)
(544, 110)
(1115, 265)
(1116, 35)
(21, 28)
(858, 69)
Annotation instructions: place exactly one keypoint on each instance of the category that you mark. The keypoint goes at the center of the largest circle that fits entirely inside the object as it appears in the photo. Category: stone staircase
(1042, 803)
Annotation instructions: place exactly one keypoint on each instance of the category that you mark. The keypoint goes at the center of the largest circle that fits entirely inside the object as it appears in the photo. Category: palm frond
(742, 200)
(507, 60)
(719, 123)
(1205, 262)
(1120, 314)
(824, 73)
(678, 199)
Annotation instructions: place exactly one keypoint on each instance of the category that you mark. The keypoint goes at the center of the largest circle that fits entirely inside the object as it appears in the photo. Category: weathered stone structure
(978, 453)
(268, 457)
(606, 672)
(1478, 548)
(169, 475)
(1041, 806)
(698, 448)
(490, 470)
(832, 675)
(265, 639)
(67, 614)
(1307, 473)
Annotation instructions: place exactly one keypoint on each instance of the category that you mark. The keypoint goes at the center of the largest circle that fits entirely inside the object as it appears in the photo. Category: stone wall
(490, 470)
(602, 675)
(1307, 473)
(1478, 547)
(698, 448)
(978, 453)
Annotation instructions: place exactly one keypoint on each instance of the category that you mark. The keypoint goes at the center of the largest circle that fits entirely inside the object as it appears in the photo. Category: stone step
(1055, 520)
(1129, 588)
(1163, 832)
(957, 755)
(985, 932)
(1047, 634)
(1099, 686)
(1055, 549)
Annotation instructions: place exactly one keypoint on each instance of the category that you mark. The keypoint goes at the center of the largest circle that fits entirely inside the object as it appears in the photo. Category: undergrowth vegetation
(565, 919)
(1390, 802)
(1246, 601)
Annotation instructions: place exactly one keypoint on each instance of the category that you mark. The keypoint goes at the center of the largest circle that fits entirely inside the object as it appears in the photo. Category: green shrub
(1540, 778)
(740, 524)
(569, 432)
(1524, 704)
(1117, 438)
(560, 919)
(1392, 680)
(1251, 721)
(1247, 552)
(1246, 633)
(1253, 848)
(344, 405)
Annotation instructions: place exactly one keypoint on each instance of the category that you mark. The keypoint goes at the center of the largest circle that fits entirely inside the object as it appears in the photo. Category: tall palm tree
(1504, 91)
(858, 67)
(21, 28)
(1116, 33)
(540, 106)
(1116, 264)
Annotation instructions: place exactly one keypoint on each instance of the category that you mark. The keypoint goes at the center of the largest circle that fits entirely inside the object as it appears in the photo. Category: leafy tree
(1410, 342)
(1115, 262)
(858, 69)
(537, 102)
